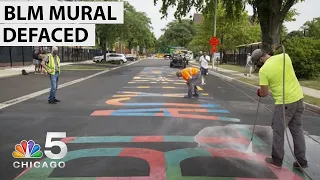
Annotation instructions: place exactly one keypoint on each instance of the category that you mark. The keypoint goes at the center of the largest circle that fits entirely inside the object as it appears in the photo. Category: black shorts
(204, 71)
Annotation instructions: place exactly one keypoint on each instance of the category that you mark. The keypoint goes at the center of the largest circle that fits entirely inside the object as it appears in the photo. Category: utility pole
(214, 30)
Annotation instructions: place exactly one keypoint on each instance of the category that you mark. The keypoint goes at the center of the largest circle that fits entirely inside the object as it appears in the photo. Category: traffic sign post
(214, 42)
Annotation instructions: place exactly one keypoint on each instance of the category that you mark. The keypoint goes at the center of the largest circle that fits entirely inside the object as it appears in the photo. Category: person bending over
(191, 75)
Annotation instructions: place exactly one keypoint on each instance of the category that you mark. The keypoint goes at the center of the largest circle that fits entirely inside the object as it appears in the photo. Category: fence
(239, 57)
(23, 56)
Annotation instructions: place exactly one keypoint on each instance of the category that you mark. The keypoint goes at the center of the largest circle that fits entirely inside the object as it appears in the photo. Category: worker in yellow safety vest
(51, 64)
(191, 75)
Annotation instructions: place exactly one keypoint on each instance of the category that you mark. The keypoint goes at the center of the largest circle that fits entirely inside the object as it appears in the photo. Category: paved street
(133, 123)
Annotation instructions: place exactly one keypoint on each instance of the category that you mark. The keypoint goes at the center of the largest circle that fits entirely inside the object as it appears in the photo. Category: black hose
(284, 113)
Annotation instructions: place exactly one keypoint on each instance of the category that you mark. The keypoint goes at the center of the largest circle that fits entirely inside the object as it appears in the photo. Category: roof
(243, 45)
(197, 18)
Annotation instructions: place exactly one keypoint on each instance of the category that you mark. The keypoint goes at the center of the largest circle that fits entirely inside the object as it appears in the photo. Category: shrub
(305, 56)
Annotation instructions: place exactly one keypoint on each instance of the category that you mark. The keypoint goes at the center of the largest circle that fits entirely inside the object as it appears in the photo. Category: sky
(308, 10)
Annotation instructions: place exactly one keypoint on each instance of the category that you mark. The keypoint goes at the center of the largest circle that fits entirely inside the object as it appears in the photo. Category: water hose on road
(284, 113)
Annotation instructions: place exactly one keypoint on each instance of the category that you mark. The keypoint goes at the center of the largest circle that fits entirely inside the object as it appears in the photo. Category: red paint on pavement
(155, 159)
(148, 139)
(175, 113)
(102, 113)
(68, 139)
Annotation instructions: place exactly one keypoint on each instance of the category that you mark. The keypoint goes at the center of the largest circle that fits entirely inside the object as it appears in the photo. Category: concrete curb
(308, 106)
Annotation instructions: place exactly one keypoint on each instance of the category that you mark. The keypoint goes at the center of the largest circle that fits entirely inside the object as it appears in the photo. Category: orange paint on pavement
(193, 116)
(102, 113)
(117, 102)
(148, 139)
(159, 114)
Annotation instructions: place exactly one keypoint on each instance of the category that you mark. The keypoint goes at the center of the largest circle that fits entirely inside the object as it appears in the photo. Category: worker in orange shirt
(191, 75)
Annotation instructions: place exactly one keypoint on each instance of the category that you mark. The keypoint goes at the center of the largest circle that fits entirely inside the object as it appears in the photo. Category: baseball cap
(257, 54)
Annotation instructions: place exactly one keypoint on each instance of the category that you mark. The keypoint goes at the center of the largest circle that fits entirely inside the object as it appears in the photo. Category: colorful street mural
(166, 165)
(166, 160)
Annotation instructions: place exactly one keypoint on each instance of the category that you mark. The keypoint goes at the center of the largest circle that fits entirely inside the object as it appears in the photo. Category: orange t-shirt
(187, 73)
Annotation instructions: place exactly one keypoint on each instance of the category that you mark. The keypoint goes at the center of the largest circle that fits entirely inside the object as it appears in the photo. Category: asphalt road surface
(133, 123)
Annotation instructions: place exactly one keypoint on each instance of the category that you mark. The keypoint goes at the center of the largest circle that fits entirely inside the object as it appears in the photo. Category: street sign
(214, 41)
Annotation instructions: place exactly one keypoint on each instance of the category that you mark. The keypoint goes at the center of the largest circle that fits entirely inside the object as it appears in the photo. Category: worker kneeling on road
(191, 75)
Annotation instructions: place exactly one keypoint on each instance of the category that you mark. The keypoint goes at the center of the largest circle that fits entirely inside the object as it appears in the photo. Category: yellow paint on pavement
(199, 88)
(168, 87)
(143, 87)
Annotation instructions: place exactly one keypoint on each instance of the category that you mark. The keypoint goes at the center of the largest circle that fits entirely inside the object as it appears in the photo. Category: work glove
(258, 92)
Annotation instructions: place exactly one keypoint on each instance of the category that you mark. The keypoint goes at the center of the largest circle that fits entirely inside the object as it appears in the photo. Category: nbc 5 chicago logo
(30, 150)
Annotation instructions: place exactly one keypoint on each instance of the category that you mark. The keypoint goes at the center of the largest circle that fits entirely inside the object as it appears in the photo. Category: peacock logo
(27, 149)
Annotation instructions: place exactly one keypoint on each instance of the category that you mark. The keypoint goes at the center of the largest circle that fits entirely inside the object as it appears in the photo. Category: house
(197, 18)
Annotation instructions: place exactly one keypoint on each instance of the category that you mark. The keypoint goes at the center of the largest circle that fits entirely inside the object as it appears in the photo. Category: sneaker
(195, 95)
(203, 83)
(56, 100)
(273, 163)
(296, 165)
(52, 102)
(187, 96)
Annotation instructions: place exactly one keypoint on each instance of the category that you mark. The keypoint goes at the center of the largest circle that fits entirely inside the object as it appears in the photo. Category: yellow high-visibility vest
(51, 64)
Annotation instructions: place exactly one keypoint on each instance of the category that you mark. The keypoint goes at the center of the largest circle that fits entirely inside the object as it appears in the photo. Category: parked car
(118, 58)
(98, 59)
(131, 57)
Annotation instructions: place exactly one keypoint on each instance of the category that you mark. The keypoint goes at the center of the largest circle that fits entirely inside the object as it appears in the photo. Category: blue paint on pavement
(166, 113)
(218, 111)
(209, 105)
(229, 119)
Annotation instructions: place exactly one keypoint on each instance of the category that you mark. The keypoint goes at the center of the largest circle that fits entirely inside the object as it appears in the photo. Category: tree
(178, 33)
(312, 28)
(231, 33)
(305, 55)
(136, 31)
(270, 14)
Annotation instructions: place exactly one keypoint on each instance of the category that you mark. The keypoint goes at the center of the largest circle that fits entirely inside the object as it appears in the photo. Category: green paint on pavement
(173, 161)
(44, 173)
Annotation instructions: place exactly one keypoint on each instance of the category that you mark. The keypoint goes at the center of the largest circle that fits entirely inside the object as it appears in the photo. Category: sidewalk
(7, 72)
(235, 74)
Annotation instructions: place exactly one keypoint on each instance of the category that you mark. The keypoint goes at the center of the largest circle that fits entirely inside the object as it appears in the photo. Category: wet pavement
(133, 123)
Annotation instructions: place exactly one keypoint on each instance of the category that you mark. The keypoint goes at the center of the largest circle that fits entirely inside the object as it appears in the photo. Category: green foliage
(230, 33)
(177, 33)
(312, 28)
(305, 56)
(136, 30)
(269, 13)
